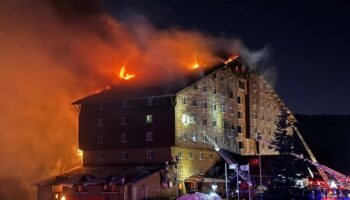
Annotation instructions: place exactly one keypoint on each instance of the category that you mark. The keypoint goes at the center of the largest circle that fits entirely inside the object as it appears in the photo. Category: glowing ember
(63, 198)
(230, 59)
(195, 65)
(124, 75)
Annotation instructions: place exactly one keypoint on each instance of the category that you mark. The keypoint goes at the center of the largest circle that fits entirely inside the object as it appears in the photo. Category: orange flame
(196, 64)
(231, 58)
(124, 75)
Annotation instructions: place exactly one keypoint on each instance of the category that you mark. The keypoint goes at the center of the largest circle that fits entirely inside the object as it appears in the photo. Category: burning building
(148, 142)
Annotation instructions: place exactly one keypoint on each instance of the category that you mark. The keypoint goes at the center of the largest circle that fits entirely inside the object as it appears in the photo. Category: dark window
(241, 85)
(239, 100)
(214, 77)
(184, 100)
(205, 105)
(150, 101)
(204, 121)
(223, 93)
(214, 123)
(231, 95)
(123, 121)
(239, 115)
(100, 139)
(239, 129)
(124, 137)
(194, 102)
(99, 122)
(150, 154)
(125, 155)
(222, 78)
(214, 90)
(101, 106)
(240, 144)
(195, 86)
(205, 88)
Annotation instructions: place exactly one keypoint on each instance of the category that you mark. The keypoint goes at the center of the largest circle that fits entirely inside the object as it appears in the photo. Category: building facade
(178, 123)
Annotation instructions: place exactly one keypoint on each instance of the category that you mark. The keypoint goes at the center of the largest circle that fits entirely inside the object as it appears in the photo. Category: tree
(286, 169)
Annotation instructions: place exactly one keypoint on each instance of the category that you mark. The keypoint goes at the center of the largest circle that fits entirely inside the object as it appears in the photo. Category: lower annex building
(154, 142)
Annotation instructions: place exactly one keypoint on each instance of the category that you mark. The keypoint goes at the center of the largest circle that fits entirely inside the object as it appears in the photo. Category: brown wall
(136, 127)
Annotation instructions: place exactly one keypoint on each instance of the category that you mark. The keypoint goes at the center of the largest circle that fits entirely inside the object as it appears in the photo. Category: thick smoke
(53, 52)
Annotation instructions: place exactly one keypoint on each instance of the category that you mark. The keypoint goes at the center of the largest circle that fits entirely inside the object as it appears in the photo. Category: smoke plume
(53, 52)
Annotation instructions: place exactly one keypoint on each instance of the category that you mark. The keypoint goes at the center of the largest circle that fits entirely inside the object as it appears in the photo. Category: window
(214, 90)
(222, 92)
(214, 123)
(216, 139)
(204, 121)
(201, 157)
(179, 154)
(239, 115)
(241, 85)
(184, 100)
(123, 120)
(101, 106)
(231, 80)
(254, 101)
(194, 102)
(239, 129)
(195, 86)
(194, 137)
(206, 140)
(124, 104)
(205, 105)
(150, 154)
(125, 155)
(222, 77)
(239, 100)
(149, 118)
(190, 155)
(205, 88)
(231, 95)
(214, 76)
(149, 136)
(240, 144)
(214, 107)
(211, 157)
(223, 109)
(100, 156)
(255, 115)
(124, 137)
(99, 122)
(100, 139)
(150, 101)
(184, 136)
(231, 111)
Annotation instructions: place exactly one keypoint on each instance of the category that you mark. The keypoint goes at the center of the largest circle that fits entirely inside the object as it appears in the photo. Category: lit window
(194, 137)
(179, 154)
(124, 137)
(123, 120)
(201, 156)
(190, 155)
(100, 156)
(125, 155)
(149, 119)
(223, 109)
(214, 107)
(150, 154)
(99, 122)
(150, 101)
(100, 139)
(214, 123)
(149, 136)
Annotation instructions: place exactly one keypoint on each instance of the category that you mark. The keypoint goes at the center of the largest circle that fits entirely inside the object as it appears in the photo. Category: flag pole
(237, 181)
(249, 183)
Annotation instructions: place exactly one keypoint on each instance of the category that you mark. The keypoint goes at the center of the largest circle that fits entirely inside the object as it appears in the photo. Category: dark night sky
(309, 41)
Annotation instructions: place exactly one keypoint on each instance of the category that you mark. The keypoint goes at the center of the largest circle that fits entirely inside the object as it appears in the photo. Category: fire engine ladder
(227, 157)
(312, 156)
(337, 175)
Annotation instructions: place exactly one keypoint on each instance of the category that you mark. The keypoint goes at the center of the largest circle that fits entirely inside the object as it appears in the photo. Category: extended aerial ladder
(322, 169)
(227, 157)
